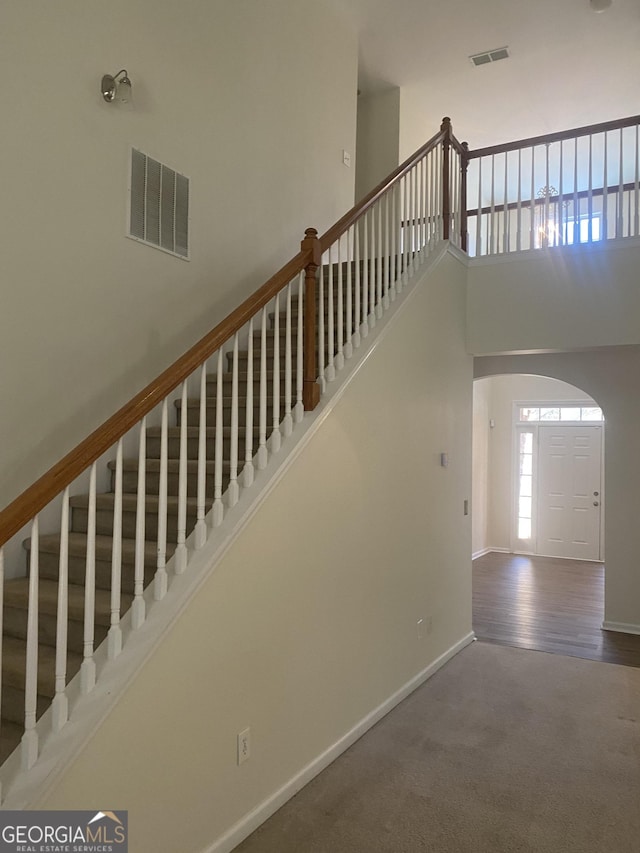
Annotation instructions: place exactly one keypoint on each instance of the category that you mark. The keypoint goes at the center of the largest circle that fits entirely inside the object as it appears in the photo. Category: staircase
(16, 594)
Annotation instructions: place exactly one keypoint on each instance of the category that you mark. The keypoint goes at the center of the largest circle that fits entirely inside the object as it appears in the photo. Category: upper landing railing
(577, 186)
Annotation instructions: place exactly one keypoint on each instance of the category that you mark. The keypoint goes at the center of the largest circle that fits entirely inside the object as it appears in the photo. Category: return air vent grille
(159, 214)
(490, 56)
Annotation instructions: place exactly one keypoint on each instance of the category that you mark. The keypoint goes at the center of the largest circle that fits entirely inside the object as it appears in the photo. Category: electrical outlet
(244, 745)
(420, 626)
(346, 157)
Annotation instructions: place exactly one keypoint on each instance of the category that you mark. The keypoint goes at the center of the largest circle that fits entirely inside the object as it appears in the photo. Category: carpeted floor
(503, 751)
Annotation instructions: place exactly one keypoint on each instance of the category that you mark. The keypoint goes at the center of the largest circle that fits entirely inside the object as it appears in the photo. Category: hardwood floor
(546, 604)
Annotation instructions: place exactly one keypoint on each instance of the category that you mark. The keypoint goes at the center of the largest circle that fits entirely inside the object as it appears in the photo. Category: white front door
(569, 491)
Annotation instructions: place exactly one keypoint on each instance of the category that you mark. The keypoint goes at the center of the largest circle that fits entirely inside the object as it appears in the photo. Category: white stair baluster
(393, 256)
(560, 214)
(479, 216)
(532, 225)
(218, 507)
(386, 272)
(138, 607)
(322, 362)
(233, 490)
(275, 440)
(330, 370)
(620, 200)
(248, 470)
(160, 583)
(604, 234)
(519, 204)
(636, 187)
(576, 202)
(372, 270)
(380, 263)
(590, 190)
(114, 641)
(339, 360)
(298, 411)
(263, 454)
(364, 329)
(348, 343)
(492, 210)
(287, 421)
(60, 704)
(180, 555)
(30, 736)
(201, 524)
(357, 325)
(88, 667)
(505, 206)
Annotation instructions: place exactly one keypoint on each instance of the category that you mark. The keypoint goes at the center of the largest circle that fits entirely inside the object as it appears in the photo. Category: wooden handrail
(27, 505)
(18, 513)
(351, 217)
(587, 130)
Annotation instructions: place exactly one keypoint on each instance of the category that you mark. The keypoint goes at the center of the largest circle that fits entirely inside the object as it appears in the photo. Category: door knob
(595, 494)
(596, 503)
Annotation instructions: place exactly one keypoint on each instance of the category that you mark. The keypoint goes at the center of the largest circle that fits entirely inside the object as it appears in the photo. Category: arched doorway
(538, 468)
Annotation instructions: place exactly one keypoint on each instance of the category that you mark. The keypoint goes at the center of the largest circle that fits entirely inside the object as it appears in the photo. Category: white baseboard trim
(253, 819)
(489, 550)
(621, 627)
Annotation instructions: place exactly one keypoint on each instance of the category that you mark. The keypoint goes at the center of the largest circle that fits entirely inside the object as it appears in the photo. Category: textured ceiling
(568, 66)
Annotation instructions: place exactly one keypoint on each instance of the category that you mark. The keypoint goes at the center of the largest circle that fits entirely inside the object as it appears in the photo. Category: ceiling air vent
(159, 211)
(490, 56)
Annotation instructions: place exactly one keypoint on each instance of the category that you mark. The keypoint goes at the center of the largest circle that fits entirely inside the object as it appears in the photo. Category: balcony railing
(577, 186)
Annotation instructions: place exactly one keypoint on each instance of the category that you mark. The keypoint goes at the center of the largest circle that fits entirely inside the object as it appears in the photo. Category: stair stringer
(87, 713)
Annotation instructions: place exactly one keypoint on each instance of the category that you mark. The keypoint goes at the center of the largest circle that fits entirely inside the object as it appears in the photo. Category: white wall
(563, 298)
(240, 96)
(378, 137)
(299, 634)
(610, 376)
(495, 398)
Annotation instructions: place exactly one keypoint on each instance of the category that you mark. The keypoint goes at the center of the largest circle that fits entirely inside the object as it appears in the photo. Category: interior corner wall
(309, 622)
(480, 467)
(377, 141)
(240, 96)
(609, 375)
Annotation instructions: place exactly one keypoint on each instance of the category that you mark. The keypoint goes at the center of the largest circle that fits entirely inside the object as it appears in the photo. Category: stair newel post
(30, 736)
(445, 127)
(60, 705)
(311, 389)
(464, 165)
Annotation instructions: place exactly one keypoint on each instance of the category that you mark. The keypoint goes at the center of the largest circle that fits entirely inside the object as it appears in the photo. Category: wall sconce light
(116, 88)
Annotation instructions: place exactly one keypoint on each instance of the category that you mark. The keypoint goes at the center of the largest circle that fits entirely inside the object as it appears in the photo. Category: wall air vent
(490, 56)
(159, 205)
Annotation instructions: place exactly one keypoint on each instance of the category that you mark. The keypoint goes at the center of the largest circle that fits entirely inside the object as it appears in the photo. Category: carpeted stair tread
(78, 547)
(106, 501)
(16, 594)
(153, 465)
